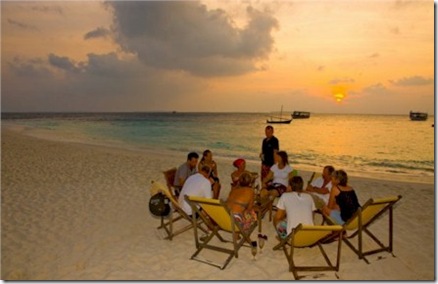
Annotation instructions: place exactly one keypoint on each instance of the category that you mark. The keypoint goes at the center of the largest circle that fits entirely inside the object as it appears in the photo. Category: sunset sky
(371, 56)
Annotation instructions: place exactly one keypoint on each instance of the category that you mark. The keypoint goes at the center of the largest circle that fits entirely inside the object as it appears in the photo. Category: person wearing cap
(240, 165)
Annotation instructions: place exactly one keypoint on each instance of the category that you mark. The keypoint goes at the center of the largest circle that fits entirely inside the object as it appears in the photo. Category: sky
(369, 57)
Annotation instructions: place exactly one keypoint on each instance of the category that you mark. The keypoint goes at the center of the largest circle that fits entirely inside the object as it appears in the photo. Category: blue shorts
(282, 229)
(335, 215)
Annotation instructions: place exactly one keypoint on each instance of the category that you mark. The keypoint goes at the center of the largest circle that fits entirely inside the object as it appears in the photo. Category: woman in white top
(276, 182)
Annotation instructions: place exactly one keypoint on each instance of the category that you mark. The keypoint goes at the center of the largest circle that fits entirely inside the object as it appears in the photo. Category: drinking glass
(261, 241)
(254, 249)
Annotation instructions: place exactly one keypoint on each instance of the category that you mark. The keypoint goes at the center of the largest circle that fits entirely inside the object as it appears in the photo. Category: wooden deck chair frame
(169, 177)
(309, 236)
(217, 211)
(176, 214)
(365, 217)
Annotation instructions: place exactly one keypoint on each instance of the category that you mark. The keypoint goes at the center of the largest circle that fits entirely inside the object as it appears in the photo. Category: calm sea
(380, 146)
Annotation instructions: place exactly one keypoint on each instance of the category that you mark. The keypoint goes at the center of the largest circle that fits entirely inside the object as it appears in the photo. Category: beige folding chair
(176, 214)
(216, 214)
(169, 177)
(303, 236)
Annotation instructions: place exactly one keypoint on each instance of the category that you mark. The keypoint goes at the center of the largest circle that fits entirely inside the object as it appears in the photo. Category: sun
(339, 93)
(339, 97)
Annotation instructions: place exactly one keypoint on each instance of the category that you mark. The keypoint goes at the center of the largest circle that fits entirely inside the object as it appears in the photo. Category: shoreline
(79, 212)
(48, 136)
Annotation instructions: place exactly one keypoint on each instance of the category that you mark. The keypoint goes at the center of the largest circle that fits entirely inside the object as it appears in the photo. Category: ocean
(376, 146)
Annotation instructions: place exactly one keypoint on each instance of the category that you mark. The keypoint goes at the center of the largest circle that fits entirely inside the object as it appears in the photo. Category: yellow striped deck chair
(303, 236)
(217, 216)
(360, 222)
(167, 223)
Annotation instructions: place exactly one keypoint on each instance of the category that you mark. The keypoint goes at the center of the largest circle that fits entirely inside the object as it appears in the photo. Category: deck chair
(176, 214)
(169, 177)
(303, 236)
(220, 219)
(360, 222)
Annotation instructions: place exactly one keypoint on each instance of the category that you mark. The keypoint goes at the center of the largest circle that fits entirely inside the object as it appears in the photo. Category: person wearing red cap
(240, 164)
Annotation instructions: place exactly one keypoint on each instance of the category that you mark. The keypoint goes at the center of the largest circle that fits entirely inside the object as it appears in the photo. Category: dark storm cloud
(185, 35)
(97, 33)
(412, 81)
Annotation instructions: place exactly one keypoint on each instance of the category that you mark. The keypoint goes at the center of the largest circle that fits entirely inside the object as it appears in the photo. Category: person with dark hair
(270, 145)
(293, 207)
(207, 159)
(241, 200)
(343, 202)
(276, 182)
(196, 185)
(320, 187)
(186, 169)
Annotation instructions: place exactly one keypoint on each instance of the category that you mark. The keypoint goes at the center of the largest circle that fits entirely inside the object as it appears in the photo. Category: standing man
(270, 146)
(185, 170)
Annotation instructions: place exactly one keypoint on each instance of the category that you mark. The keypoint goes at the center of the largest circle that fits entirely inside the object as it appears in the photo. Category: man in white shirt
(320, 188)
(196, 185)
(293, 208)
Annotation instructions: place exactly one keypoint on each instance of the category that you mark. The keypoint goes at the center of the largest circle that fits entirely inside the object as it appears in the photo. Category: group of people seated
(330, 194)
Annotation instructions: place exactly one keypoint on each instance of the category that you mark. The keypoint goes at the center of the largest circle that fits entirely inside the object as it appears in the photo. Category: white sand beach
(80, 212)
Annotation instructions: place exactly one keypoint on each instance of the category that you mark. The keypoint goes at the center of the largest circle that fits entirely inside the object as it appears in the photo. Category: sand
(79, 212)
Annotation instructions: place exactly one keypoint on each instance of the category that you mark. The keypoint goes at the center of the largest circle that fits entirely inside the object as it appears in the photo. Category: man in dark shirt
(270, 146)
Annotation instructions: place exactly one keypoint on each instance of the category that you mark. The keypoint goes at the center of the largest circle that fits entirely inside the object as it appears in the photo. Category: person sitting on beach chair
(343, 202)
(196, 185)
(293, 208)
(240, 165)
(207, 159)
(241, 201)
(320, 187)
(275, 183)
(185, 170)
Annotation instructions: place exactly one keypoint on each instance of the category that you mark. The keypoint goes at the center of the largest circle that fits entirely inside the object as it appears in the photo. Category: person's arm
(268, 178)
(279, 216)
(332, 201)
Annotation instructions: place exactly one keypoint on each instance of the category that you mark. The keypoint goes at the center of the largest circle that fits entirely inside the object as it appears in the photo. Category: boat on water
(279, 119)
(300, 114)
(418, 116)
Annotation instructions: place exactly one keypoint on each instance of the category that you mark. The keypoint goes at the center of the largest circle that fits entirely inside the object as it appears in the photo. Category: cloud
(412, 81)
(374, 55)
(48, 9)
(321, 68)
(341, 81)
(97, 33)
(376, 89)
(186, 36)
(63, 63)
(21, 25)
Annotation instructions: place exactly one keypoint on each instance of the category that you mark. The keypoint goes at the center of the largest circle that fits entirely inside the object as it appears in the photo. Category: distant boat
(418, 116)
(279, 119)
(300, 114)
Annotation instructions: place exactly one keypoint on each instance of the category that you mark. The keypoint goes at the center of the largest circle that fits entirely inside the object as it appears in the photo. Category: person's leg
(335, 215)
(216, 187)
(282, 229)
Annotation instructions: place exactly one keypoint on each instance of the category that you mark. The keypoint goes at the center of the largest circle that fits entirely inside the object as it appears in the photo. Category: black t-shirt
(268, 147)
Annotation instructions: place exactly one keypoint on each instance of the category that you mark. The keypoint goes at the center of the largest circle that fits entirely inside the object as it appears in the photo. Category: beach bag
(159, 205)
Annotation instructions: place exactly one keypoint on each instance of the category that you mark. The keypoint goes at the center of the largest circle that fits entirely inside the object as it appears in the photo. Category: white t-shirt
(281, 176)
(299, 209)
(318, 183)
(195, 185)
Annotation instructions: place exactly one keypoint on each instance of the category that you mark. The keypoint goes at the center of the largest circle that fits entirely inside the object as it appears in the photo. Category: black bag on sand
(159, 205)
